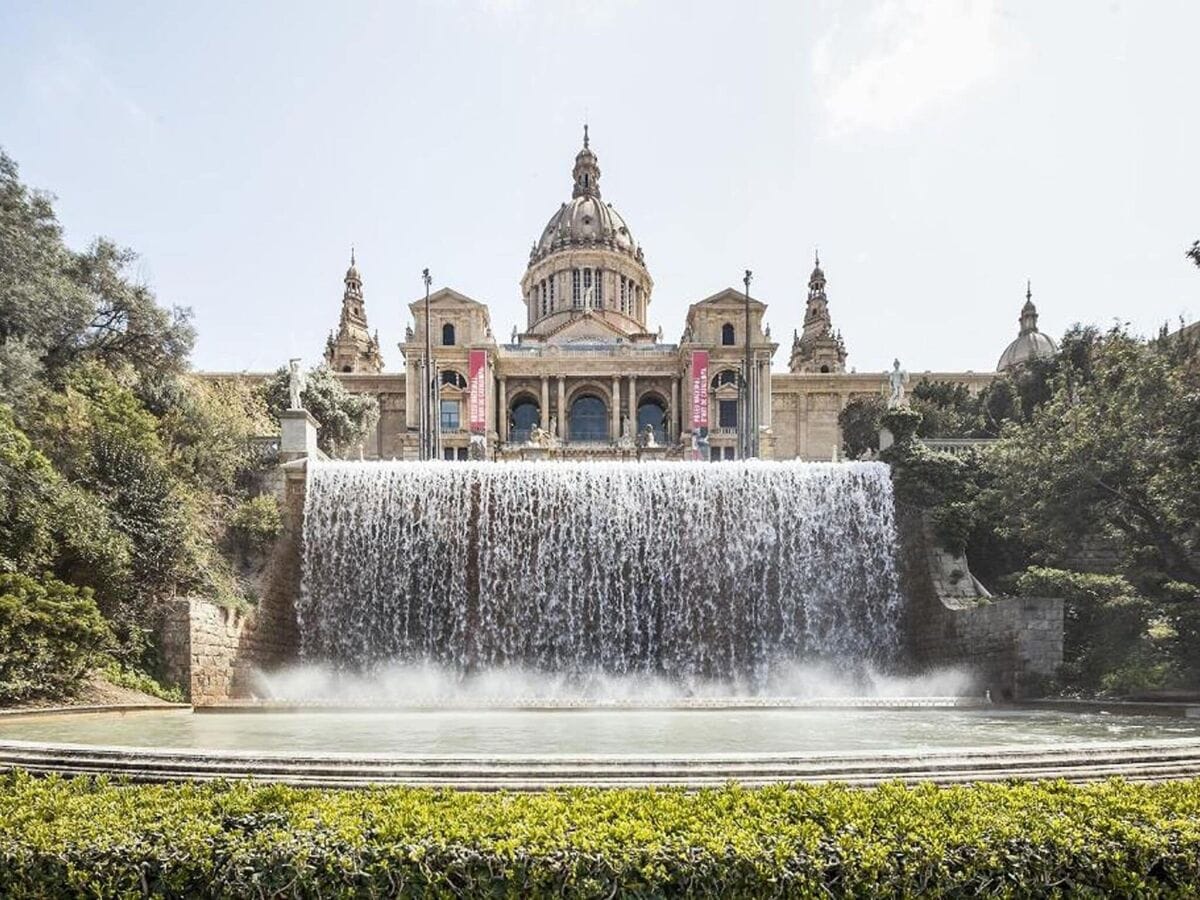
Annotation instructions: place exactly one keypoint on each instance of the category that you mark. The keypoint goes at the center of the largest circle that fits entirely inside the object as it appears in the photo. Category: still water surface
(575, 732)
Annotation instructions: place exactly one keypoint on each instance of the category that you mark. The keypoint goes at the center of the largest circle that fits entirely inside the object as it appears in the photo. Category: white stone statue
(896, 379)
(647, 439)
(587, 298)
(514, 335)
(625, 433)
(554, 426)
(297, 382)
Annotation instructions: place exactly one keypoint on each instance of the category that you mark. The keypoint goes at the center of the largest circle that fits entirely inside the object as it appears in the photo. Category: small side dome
(1030, 343)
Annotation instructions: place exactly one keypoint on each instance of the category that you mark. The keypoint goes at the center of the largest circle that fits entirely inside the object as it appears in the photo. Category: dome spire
(586, 171)
(1029, 314)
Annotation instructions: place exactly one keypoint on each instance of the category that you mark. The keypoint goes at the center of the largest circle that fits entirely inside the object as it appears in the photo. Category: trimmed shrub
(137, 680)
(51, 635)
(92, 838)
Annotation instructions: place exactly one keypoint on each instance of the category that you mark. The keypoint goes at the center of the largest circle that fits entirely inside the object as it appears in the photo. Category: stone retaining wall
(1013, 644)
(212, 652)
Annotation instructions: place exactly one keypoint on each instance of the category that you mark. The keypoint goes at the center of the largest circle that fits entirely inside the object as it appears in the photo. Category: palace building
(589, 377)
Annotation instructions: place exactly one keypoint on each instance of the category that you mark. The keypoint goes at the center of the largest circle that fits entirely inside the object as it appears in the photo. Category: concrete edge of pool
(1157, 760)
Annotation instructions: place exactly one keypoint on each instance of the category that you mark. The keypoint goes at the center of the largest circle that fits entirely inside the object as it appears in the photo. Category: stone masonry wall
(1011, 643)
(212, 651)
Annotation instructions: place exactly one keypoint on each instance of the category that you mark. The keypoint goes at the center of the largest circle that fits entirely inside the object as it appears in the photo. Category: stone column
(562, 408)
(502, 408)
(545, 402)
(764, 394)
(614, 408)
(633, 403)
(673, 418)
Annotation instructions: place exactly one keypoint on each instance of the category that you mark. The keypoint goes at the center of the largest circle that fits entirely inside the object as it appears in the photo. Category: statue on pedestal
(297, 382)
(896, 379)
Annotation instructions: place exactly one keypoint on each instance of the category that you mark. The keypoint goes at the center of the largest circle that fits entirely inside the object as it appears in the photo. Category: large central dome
(586, 280)
(585, 220)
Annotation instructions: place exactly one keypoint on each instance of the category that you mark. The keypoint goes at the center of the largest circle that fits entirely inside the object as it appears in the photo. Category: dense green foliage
(86, 838)
(859, 422)
(1108, 641)
(119, 471)
(1099, 446)
(51, 635)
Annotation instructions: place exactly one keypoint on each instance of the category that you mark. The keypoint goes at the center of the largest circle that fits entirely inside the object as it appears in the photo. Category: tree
(1114, 451)
(346, 419)
(859, 421)
(1194, 253)
(58, 307)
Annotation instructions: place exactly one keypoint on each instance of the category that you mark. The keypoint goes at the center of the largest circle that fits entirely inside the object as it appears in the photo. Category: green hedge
(91, 838)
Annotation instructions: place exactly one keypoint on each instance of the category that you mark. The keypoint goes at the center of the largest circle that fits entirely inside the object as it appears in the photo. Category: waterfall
(676, 570)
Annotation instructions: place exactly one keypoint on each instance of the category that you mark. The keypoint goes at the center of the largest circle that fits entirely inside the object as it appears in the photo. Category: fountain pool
(914, 727)
(533, 749)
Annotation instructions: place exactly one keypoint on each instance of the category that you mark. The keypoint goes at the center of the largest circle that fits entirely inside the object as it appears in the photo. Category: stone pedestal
(297, 435)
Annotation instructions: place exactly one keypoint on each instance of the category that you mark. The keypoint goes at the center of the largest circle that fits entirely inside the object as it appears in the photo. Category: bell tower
(353, 348)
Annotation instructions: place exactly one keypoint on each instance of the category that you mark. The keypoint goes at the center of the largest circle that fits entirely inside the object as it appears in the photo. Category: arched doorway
(588, 420)
(652, 411)
(526, 414)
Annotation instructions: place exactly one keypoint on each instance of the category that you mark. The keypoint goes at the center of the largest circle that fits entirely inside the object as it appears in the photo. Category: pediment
(446, 297)
(730, 297)
(587, 327)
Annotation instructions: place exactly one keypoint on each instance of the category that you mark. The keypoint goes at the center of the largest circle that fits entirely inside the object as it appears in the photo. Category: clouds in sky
(885, 67)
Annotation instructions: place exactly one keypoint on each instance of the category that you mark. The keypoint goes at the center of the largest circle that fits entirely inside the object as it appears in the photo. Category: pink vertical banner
(477, 382)
(700, 449)
(699, 390)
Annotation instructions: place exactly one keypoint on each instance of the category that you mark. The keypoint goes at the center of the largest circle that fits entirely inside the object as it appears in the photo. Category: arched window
(727, 336)
(724, 377)
(525, 415)
(347, 369)
(653, 412)
(454, 379)
(448, 335)
(588, 420)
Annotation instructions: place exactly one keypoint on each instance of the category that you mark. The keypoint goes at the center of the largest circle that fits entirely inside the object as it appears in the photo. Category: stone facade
(586, 353)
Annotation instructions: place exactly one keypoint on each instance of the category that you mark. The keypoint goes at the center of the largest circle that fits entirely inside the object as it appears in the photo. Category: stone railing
(957, 445)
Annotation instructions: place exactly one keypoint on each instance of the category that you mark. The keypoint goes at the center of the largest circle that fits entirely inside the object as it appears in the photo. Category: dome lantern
(587, 171)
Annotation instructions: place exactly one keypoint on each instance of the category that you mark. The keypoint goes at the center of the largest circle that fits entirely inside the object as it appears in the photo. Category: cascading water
(682, 571)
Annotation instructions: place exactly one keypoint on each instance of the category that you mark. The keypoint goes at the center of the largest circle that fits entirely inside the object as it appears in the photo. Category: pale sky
(939, 152)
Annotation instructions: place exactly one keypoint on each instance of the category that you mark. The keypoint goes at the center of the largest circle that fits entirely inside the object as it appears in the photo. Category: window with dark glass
(450, 420)
(727, 414)
(576, 290)
(453, 379)
(525, 415)
(448, 335)
(727, 335)
(588, 420)
(652, 411)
